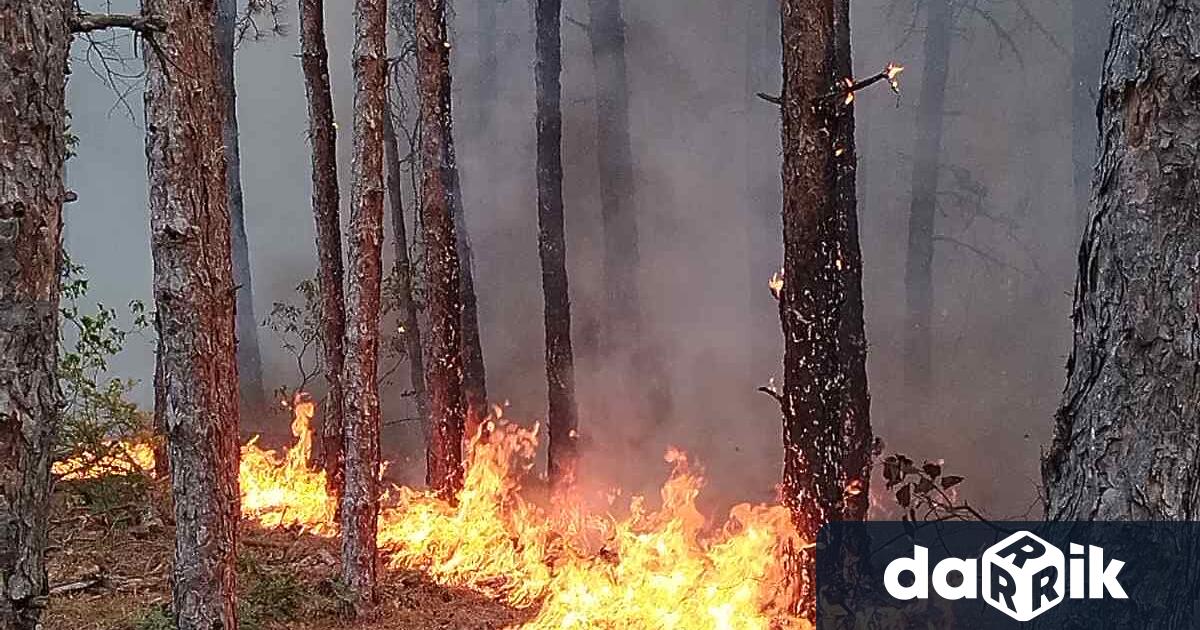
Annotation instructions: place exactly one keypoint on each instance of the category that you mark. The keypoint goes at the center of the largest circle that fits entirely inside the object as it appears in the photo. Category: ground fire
(575, 566)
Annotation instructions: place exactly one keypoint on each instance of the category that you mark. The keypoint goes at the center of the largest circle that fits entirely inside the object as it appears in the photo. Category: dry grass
(110, 557)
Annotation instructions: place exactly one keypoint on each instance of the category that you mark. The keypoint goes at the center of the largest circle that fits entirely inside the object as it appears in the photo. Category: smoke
(709, 234)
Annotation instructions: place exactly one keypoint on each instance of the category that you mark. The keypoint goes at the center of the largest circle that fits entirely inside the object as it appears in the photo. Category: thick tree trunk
(253, 395)
(404, 271)
(33, 71)
(322, 133)
(824, 409)
(1090, 22)
(474, 371)
(552, 247)
(918, 276)
(1127, 437)
(194, 300)
(852, 337)
(360, 498)
(444, 371)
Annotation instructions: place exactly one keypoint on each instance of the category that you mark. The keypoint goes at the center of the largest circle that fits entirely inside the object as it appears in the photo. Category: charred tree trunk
(823, 413)
(1090, 22)
(194, 300)
(253, 395)
(33, 70)
(360, 498)
(474, 372)
(918, 275)
(1126, 440)
(552, 247)
(852, 337)
(322, 133)
(444, 372)
(404, 271)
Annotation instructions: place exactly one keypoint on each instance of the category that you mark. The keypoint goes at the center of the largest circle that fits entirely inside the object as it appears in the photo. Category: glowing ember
(577, 568)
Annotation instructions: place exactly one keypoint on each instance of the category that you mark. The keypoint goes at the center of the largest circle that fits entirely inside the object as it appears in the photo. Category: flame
(893, 71)
(775, 284)
(576, 567)
(116, 458)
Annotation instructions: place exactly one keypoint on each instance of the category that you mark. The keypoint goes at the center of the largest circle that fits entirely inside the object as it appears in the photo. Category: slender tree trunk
(194, 300)
(322, 133)
(1090, 22)
(360, 499)
(474, 372)
(852, 337)
(552, 247)
(444, 371)
(823, 411)
(623, 334)
(918, 276)
(253, 395)
(1126, 442)
(404, 271)
(33, 70)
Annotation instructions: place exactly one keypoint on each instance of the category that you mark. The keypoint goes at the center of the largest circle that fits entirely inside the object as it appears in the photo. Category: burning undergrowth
(566, 562)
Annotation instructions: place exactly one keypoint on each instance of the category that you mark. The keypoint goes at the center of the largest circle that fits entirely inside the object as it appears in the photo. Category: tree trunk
(918, 276)
(474, 374)
(194, 300)
(552, 248)
(253, 395)
(360, 499)
(623, 333)
(852, 337)
(1127, 437)
(444, 371)
(33, 70)
(821, 347)
(1090, 22)
(322, 133)
(404, 272)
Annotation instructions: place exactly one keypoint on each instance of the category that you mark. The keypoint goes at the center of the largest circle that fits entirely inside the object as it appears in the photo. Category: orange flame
(665, 568)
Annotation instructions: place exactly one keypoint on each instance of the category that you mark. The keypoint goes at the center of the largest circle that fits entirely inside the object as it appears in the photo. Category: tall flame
(577, 568)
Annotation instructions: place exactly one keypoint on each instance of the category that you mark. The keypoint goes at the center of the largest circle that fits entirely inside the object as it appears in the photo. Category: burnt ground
(110, 555)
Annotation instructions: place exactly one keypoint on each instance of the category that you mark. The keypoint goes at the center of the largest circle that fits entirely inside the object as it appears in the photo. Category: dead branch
(849, 87)
(84, 22)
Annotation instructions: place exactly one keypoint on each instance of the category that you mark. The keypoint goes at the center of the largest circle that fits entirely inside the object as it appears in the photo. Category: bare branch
(84, 22)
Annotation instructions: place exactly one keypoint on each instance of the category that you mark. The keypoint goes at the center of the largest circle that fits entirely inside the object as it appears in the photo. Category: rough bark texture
(918, 274)
(194, 302)
(253, 395)
(34, 41)
(552, 247)
(1090, 25)
(314, 61)
(404, 272)
(360, 498)
(1126, 441)
(852, 337)
(444, 371)
(474, 372)
(820, 303)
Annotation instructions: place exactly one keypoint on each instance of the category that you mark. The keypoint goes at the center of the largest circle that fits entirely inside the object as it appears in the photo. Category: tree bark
(474, 371)
(404, 271)
(249, 360)
(1090, 22)
(823, 409)
(360, 499)
(444, 371)
(852, 337)
(194, 300)
(918, 275)
(1126, 439)
(33, 70)
(322, 133)
(552, 248)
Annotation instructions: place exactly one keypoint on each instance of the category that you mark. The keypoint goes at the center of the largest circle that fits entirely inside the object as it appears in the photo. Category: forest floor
(109, 563)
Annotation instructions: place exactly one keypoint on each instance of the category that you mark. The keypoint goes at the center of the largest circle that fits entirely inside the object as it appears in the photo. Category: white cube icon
(1023, 576)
